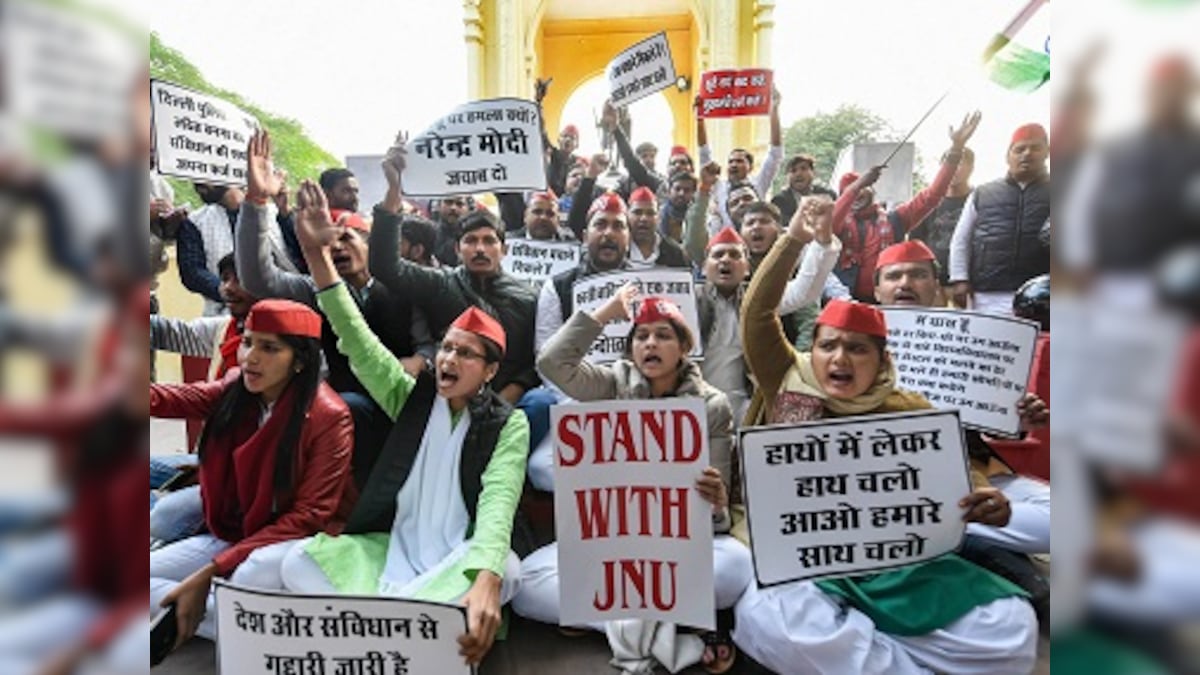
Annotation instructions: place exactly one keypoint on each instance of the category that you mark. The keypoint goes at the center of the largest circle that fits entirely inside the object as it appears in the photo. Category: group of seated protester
(374, 422)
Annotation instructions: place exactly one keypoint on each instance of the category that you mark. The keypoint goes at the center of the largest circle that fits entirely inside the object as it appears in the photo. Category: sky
(355, 72)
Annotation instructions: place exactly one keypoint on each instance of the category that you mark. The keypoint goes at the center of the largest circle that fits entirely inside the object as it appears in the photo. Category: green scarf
(924, 597)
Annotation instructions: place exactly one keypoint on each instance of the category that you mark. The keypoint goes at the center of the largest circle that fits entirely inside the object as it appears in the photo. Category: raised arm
(256, 267)
(561, 361)
(419, 284)
(768, 352)
(817, 261)
(372, 363)
(577, 218)
(637, 173)
(915, 210)
(773, 160)
(695, 225)
(704, 152)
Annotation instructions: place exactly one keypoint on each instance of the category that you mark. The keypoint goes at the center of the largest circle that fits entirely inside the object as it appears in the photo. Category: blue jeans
(177, 515)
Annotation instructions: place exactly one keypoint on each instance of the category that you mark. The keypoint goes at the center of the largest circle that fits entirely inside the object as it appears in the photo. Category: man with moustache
(539, 220)
(801, 175)
(444, 293)
(676, 201)
(997, 243)
(647, 247)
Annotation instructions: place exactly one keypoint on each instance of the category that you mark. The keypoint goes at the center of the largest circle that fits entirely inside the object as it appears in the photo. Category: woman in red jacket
(274, 463)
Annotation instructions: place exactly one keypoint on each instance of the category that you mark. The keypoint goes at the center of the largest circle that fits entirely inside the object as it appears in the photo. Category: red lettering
(593, 512)
(609, 582)
(633, 571)
(623, 436)
(675, 508)
(659, 602)
(568, 439)
(597, 420)
(643, 493)
(654, 425)
(692, 452)
(661, 577)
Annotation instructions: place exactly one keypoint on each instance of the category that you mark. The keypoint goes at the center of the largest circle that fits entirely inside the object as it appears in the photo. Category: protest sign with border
(275, 632)
(68, 71)
(535, 261)
(975, 363)
(199, 137)
(481, 146)
(735, 93)
(676, 285)
(641, 70)
(853, 495)
(634, 534)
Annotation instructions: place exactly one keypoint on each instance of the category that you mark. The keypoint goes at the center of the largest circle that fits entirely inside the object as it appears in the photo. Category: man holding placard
(741, 163)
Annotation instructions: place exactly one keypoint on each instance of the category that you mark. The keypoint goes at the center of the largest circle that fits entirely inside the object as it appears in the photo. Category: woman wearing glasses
(435, 516)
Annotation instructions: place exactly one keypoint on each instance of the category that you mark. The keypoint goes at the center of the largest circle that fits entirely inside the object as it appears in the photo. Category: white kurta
(431, 519)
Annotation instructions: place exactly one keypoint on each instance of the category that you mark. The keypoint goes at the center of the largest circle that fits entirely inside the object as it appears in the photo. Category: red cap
(284, 317)
(609, 202)
(853, 316)
(642, 194)
(547, 194)
(727, 235)
(912, 251)
(479, 322)
(571, 130)
(1028, 132)
(846, 180)
(1170, 67)
(654, 308)
(349, 219)
(679, 150)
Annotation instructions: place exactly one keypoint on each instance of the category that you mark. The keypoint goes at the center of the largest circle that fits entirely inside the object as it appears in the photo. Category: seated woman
(655, 366)
(944, 615)
(435, 518)
(274, 463)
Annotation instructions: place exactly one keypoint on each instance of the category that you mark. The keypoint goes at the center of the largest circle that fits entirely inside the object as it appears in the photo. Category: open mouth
(341, 261)
(905, 297)
(652, 359)
(447, 380)
(724, 270)
(841, 378)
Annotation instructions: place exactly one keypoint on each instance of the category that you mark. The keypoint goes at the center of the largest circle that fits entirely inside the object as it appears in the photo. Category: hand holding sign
(263, 182)
(483, 617)
(1033, 411)
(712, 488)
(988, 506)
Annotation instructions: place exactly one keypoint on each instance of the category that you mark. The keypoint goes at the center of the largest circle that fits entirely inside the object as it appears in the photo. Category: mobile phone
(164, 631)
(185, 476)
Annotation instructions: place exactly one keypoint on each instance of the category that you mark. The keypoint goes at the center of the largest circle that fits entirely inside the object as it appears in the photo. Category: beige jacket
(561, 362)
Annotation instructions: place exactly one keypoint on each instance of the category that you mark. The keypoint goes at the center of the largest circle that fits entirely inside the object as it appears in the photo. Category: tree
(825, 134)
(294, 151)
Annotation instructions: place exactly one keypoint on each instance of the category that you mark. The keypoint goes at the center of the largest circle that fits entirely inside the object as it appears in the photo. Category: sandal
(716, 642)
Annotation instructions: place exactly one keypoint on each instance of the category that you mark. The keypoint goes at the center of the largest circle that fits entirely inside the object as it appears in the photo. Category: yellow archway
(511, 43)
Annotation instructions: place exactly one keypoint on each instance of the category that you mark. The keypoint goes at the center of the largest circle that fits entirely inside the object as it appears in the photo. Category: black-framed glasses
(460, 352)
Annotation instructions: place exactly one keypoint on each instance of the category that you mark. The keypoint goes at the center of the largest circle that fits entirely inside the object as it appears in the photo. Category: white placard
(535, 261)
(272, 632)
(66, 71)
(199, 137)
(977, 364)
(641, 70)
(634, 534)
(675, 285)
(482, 146)
(853, 495)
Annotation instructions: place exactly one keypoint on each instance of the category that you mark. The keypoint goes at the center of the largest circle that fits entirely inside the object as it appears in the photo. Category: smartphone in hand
(164, 631)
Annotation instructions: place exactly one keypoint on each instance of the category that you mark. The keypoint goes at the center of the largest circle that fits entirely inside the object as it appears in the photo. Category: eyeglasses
(461, 352)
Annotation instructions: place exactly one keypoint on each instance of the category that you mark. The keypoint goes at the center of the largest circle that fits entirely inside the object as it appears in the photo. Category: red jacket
(1030, 456)
(239, 507)
(879, 230)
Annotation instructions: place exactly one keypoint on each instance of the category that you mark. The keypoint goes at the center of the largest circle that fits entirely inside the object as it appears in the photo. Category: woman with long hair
(435, 518)
(942, 615)
(274, 463)
(655, 365)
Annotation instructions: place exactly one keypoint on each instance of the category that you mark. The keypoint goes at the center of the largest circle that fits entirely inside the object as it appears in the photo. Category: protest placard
(641, 70)
(634, 535)
(536, 261)
(66, 70)
(977, 364)
(853, 495)
(675, 285)
(273, 632)
(735, 93)
(199, 137)
(482, 146)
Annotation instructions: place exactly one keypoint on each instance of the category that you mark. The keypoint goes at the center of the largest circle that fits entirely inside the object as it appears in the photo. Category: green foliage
(294, 152)
(825, 134)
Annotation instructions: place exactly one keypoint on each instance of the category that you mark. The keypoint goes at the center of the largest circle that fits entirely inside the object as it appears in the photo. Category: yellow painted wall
(573, 52)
